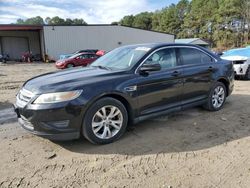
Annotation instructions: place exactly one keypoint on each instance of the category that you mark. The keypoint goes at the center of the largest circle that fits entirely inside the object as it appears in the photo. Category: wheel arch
(120, 98)
(225, 82)
(125, 102)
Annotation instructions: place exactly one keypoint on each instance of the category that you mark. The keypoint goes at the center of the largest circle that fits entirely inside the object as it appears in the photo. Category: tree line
(223, 23)
(38, 20)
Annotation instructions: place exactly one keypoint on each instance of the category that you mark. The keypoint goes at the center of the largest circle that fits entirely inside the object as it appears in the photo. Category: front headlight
(57, 97)
(60, 62)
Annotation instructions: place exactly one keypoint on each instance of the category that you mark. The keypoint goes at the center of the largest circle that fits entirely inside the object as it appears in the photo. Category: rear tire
(105, 121)
(216, 98)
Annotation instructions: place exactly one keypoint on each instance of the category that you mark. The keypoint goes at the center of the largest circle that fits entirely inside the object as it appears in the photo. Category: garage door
(15, 46)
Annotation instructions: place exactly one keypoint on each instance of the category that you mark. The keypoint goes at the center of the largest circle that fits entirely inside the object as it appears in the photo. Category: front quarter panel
(115, 86)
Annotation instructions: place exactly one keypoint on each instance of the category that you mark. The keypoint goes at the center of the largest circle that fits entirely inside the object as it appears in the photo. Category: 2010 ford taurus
(125, 86)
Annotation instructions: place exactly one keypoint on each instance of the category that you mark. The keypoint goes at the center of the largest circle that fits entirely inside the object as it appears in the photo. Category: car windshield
(123, 58)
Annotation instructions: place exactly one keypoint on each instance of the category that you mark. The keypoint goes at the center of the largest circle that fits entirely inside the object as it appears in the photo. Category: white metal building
(56, 40)
(196, 41)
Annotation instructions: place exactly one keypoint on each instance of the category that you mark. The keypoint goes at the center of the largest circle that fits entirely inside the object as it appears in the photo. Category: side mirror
(150, 67)
(77, 57)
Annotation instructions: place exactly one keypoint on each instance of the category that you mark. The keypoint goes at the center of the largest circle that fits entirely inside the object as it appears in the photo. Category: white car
(241, 65)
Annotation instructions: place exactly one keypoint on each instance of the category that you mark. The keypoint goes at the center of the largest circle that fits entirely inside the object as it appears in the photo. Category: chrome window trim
(165, 47)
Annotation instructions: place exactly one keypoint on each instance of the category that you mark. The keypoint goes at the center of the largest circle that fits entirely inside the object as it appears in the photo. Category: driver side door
(160, 90)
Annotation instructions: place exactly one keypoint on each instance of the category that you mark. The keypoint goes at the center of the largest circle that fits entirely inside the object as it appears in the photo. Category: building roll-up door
(15, 46)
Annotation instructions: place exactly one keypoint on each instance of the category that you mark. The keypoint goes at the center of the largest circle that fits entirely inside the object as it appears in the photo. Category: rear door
(198, 68)
(160, 90)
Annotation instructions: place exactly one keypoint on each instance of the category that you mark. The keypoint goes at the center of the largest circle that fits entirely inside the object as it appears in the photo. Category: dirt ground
(192, 148)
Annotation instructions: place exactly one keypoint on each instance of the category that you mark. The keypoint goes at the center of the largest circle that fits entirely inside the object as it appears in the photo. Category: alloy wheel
(107, 122)
(218, 97)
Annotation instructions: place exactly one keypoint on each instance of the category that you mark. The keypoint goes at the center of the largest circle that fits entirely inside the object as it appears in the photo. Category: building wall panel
(67, 39)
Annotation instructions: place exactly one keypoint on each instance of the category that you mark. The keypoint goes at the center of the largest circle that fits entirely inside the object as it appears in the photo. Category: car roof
(81, 53)
(154, 46)
(159, 44)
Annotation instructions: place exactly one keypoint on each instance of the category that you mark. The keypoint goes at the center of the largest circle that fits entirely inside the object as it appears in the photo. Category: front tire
(69, 65)
(217, 97)
(105, 121)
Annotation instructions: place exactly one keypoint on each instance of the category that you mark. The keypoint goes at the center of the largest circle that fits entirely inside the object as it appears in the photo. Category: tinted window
(194, 56)
(206, 58)
(91, 56)
(83, 56)
(166, 58)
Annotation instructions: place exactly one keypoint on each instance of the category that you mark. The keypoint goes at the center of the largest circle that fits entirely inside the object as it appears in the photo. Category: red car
(81, 59)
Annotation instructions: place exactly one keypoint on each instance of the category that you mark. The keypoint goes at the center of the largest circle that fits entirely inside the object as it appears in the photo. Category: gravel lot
(192, 148)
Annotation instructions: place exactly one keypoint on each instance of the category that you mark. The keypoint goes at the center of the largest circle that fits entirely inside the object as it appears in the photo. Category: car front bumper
(54, 123)
(60, 66)
(240, 69)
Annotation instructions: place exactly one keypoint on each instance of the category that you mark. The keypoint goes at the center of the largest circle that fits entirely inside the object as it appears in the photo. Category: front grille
(23, 97)
(238, 62)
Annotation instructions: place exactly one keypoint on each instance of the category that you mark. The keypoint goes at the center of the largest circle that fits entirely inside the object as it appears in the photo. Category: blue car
(241, 60)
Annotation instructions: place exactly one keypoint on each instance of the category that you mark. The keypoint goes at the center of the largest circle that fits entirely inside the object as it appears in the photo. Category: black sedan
(125, 86)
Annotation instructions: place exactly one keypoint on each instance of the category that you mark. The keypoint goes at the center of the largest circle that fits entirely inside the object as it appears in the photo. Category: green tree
(56, 21)
(68, 21)
(226, 35)
(127, 20)
(245, 12)
(20, 21)
(77, 21)
(168, 20)
(171, 19)
(143, 20)
(31, 21)
(114, 23)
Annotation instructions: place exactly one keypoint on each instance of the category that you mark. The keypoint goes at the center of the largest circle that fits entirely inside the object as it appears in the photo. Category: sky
(92, 11)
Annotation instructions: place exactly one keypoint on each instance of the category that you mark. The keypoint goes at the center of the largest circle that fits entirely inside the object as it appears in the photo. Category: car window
(206, 58)
(166, 58)
(83, 56)
(193, 56)
(92, 56)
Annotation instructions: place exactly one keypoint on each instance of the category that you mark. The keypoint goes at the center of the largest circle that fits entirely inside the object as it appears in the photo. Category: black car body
(144, 90)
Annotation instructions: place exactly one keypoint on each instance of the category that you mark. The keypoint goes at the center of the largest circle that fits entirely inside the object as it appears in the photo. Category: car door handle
(211, 68)
(175, 73)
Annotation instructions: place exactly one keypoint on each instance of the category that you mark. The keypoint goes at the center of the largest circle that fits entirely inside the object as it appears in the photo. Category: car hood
(68, 80)
(235, 58)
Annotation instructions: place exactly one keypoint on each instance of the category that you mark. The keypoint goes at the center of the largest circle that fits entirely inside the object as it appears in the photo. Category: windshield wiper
(101, 67)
